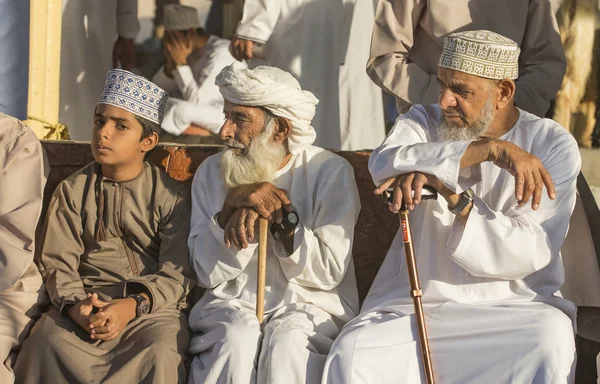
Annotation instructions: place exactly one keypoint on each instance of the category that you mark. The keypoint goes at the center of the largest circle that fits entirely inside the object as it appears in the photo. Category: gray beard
(469, 132)
(259, 164)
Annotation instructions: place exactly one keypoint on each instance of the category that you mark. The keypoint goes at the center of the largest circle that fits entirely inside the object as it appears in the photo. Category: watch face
(292, 218)
(144, 307)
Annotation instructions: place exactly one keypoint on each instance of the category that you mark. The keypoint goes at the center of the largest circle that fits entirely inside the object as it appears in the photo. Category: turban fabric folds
(278, 92)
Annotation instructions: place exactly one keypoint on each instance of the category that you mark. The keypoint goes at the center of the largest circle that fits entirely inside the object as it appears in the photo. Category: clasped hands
(528, 171)
(244, 205)
(110, 319)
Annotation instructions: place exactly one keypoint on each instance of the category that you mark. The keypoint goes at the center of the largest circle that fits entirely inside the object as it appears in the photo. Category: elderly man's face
(242, 125)
(254, 149)
(467, 103)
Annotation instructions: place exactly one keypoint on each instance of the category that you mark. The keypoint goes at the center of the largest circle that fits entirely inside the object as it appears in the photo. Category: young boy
(114, 256)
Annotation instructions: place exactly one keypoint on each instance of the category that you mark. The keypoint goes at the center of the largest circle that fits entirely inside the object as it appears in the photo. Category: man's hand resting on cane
(529, 173)
(241, 228)
(265, 198)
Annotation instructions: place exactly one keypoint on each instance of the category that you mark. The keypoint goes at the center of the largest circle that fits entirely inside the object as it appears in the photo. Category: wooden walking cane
(415, 284)
(263, 230)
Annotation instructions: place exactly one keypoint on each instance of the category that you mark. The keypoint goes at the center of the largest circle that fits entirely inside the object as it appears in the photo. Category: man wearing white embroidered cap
(488, 258)
(270, 168)
(194, 110)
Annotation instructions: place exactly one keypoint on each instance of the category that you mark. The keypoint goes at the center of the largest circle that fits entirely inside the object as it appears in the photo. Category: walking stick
(415, 284)
(263, 230)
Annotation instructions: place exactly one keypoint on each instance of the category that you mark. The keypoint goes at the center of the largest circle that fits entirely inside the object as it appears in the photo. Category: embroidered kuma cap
(481, 53)
(135, 94)
(180, 18)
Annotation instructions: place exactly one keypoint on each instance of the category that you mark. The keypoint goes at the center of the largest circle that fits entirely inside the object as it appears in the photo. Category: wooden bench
(374, 232)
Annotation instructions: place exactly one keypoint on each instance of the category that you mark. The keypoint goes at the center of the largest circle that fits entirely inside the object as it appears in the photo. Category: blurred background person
(324, 44)
(408, 39)
(194, 112)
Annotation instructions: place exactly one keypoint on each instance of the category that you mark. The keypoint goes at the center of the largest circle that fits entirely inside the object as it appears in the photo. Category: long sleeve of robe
(501, 246)
(323, 192)
(145, 223)
(408, 38)
(259, 19)
(24, 173)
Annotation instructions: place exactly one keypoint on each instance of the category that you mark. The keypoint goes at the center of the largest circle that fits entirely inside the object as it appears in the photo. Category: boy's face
(116, 137)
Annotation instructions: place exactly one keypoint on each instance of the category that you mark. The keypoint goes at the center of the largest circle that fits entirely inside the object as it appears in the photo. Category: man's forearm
(478, 152)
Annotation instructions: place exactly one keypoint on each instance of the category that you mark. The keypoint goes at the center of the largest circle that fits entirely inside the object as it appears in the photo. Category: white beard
(260, 163)
(469, 132)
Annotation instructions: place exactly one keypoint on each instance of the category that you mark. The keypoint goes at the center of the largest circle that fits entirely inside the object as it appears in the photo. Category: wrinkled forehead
(452, 77)
(248, 113)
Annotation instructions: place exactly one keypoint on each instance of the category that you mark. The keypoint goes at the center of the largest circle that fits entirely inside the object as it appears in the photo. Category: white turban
(275, 90)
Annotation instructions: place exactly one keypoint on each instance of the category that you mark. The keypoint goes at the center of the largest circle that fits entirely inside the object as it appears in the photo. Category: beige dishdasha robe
(23, 172)
(114, 239)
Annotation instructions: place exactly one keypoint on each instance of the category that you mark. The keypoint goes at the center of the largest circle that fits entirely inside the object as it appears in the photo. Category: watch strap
(142, 306)
(465, 199)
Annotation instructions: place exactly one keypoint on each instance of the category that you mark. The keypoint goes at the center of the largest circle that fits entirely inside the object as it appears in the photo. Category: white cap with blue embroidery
(135, 94)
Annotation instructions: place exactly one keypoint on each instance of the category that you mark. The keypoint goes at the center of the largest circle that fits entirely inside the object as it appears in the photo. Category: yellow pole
(44, 65)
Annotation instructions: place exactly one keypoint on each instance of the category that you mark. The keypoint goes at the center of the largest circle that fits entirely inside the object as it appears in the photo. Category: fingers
(248, 49)
(547, 180)
(107, 332)
(230, 237)
(385, 186)
(98, 320)
(278, 212)
(519, 185)
(265, 211)
(251, 218)
(417, 187)
(100, 304)
(397, 198)
(528, 188)
(282, 195)
(241, 230)
(407, 189)
(538, 190)
(235, 49)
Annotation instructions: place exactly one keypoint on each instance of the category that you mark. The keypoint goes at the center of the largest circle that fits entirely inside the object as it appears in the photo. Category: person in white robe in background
(23, 173)
(325, 45)
(491, 272)
(269, 167)
(96, 36)
(194, 111)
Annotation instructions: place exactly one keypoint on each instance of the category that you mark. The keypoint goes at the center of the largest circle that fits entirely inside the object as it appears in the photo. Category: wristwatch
(465, 198)
(289, 222)
(142, 306)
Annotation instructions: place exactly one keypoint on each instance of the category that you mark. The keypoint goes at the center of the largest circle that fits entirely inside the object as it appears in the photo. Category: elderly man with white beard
(488, 259)
(269, 168)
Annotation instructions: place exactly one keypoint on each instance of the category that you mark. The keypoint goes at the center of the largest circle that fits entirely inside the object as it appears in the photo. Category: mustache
(234, 144)
(453, 112)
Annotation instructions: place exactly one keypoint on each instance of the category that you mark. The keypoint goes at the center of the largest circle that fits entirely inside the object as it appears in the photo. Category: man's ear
(283, 128)
(507, 89)
(149, 142)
